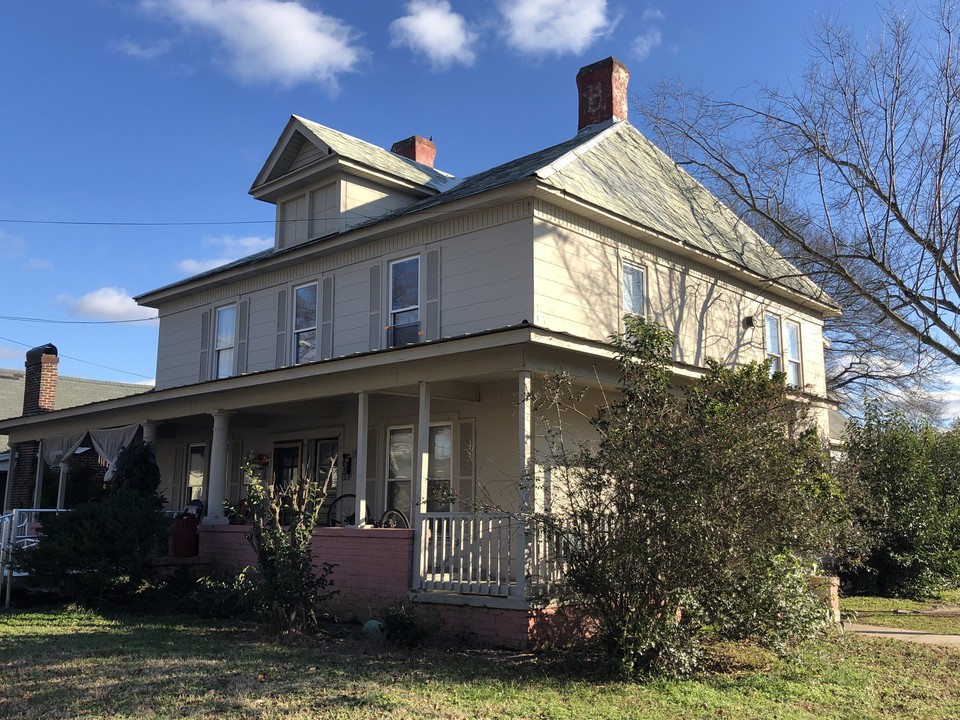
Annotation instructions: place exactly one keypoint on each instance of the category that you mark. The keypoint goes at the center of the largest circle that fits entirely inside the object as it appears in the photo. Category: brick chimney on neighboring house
(39, 396)
(602, 89)
(416, 148)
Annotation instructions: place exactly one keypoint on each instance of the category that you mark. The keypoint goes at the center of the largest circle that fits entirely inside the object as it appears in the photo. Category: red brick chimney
(40, 388)
(417, 149)
(602, 88)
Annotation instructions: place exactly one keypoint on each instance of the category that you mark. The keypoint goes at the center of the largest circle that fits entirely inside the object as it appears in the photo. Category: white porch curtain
(109, 443)
(59, 449)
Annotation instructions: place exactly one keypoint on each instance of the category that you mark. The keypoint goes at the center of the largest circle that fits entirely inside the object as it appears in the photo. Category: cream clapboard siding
(486, 266)
(178, 350)
(486, 279)
(364, 201)
(578, 266)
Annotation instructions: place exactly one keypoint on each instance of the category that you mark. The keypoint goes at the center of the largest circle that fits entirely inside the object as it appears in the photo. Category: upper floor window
(226, 331)
(305, 323)
(632, 289)
(783, 348)
(405, 301)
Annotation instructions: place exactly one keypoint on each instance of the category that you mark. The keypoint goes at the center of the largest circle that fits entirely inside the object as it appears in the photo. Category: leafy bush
(686, 515)
(105, 547)
(404, 626)
(289, 589)
(910, 478)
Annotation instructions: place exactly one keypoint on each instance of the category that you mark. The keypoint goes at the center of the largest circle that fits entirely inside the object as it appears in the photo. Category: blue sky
(131, 130)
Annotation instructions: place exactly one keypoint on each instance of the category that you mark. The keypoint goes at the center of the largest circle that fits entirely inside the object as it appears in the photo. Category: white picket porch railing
(495, 554)
(16, 531)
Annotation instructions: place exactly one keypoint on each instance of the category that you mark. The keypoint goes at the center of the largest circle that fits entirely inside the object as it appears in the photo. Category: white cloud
(9, 353)
(38, 264)
(271, 40)
(644, 44)
(431, 27)
(652, 13)
(143, 52)
(106, 303)
(227, 248)
(540, 27)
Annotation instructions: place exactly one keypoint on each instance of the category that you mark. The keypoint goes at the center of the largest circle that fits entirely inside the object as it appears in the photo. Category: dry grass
(74, 663)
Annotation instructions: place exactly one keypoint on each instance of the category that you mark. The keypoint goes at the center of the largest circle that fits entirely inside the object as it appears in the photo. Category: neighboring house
(58, 393)
(400, 321)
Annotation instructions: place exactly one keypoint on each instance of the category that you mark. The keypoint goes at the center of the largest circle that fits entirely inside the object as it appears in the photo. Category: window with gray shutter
(376, 329)
(432, 300)
(281, 328)
(326, 319)
(204, 346)
(243, 312)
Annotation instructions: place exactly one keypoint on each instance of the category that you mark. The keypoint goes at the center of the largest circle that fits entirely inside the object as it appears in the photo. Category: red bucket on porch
(183, 536)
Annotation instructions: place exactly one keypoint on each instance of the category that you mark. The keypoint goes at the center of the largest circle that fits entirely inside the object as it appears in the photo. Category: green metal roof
(358, 150)
(71, 392)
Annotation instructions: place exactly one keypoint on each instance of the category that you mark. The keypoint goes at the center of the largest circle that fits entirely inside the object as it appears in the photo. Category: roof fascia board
(667, 242)
(293, 125)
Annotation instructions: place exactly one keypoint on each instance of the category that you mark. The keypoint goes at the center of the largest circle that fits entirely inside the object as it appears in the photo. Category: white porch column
(526, 474)
(420, 467)
(150, 433)
(38, 483)
(219, 455)
(8, 491)
(62, 488)
(360, 462)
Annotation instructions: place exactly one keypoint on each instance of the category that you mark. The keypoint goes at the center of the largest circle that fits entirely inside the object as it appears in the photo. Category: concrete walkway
(915, 636)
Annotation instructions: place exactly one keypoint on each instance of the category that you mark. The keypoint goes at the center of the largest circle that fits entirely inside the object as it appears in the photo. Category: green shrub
(911, 504)
(106, 547)
(685, 514)
(404, 626)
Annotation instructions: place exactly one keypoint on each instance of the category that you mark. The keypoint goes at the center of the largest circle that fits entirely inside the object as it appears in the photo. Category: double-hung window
(631, 281)
(225, 341)
(783, 348)
(305, 323)
(405, 301)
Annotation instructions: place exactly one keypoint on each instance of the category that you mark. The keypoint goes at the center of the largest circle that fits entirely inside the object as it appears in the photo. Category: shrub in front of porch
(104, 548)
(286, 589)
(697, 510)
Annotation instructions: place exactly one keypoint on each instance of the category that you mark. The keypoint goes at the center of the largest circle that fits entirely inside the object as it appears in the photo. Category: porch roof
(456, 367)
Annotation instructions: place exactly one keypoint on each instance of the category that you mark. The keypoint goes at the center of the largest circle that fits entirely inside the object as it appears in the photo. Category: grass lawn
(74, 663)
(936, 615)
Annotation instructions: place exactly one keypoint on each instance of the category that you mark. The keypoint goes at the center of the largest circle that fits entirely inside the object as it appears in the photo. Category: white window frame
(219, 348)
(394, 311)
(780, 354)
(386, 469)
(297, 331)
(624, 266)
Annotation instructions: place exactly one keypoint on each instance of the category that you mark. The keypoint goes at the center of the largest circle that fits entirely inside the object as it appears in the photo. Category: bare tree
(855, 177)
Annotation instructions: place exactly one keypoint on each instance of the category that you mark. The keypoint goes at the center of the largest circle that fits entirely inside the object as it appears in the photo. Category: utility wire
(86, 362)
(13, 318)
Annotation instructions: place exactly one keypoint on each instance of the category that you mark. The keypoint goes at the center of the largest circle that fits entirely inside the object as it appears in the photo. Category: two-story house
(403, 316)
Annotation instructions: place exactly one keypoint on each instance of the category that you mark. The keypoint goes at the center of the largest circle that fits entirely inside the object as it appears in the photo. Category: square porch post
(420, 469)
(360, 464)
(62, 487)
(38, 485)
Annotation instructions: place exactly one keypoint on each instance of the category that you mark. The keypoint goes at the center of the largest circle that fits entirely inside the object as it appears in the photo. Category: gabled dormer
(324, 182)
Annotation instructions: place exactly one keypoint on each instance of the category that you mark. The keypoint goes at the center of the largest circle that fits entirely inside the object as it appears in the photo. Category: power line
(85, 362)
(14, 318)
(132, 224)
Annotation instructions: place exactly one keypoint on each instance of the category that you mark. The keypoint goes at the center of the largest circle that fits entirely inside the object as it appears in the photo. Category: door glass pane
(399, 468)
(440, 469)
(327, 456)
(196, 471)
